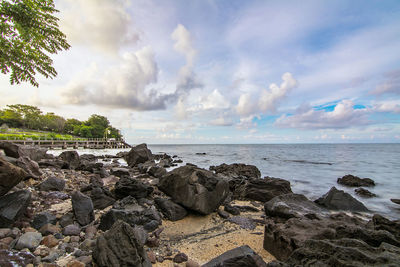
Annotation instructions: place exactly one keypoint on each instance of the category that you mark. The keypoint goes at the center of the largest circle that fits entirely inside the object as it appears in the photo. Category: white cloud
(343, 116)
(246, 123)
(122, 86)
(246, 105)
(101, 24)
(391, 85)
(215, 100)
(180, 108)
(187, 79)
(269, 99)
(222, 121)
(387, 106)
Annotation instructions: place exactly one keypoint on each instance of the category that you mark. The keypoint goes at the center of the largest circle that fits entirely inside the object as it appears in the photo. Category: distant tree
(98, 124)
(86, 131)
(53, 122)
(114, 133)
(70, 125)
(11, 118)
(30, 115)
(29, 30)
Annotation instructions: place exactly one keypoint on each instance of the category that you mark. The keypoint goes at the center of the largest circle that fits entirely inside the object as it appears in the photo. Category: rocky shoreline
(82, 210)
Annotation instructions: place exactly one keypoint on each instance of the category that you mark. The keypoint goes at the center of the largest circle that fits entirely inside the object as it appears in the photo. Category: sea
(312, 169)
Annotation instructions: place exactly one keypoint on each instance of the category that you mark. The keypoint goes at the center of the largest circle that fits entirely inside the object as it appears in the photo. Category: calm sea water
(312, 169)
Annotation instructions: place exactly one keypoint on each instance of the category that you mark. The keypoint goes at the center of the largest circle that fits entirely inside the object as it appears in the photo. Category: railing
(85, 142)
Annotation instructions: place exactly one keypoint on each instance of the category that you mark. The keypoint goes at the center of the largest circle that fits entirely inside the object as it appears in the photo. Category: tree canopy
(28, 31)
(31, 117)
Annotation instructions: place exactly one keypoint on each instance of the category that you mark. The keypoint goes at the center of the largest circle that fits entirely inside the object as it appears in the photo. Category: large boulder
(237, 170)
(344, 252)
(101, 198)
(263, 189)
(30, 166)
(131, 187)
(10, 176)
(16, 151)
(170, 210)
(339, 200)
(12, 206)
(120, 246)
(242, 256)
(351, 180)
(131, 212)
(53, 163)
(71, 157)
(83, 208)
(52, 184)
(194, 188)
(138, 154)
(282, 238)
(290, 206)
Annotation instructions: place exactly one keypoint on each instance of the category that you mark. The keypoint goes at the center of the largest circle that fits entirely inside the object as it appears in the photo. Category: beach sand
(203, 238)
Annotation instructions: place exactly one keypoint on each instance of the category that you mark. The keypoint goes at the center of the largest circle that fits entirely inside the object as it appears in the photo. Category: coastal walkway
(91, 143)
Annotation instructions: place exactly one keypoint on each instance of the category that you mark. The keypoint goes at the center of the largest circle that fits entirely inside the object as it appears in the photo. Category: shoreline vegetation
(87, 210)
(34, 124)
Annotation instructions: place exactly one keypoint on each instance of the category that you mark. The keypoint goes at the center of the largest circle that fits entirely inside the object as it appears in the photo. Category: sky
(227, 71)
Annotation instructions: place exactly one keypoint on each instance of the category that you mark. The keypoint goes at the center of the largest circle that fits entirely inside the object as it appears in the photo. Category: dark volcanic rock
(237, 170)
(180, 257)
(83, 208)
(231, 209)
(242, 256)
(90, 166)
(340, 200)
(72, 229)
(282, 238)
(194, 188)
(71, 157)
(30, 166)
(131, 212)
(291, 205)
(120, 246)
(120, 172)
(43, 218)
(101, 198)
(10, 258)
(131, 187)
(171, 210)
(157, 171)
(265, 189)
(53, 163)
(381, 223)
(17, 151)
(12, 206)
(10, 175)
(138, 154)
(351, 180)
(364, 192)
(395, 200)
(344, 252)
(52, 184)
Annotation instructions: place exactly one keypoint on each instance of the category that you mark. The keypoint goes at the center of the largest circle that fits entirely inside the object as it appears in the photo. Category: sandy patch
(203, 238)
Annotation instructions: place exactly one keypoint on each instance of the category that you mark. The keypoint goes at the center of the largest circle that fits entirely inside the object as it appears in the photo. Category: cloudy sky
(228, 71)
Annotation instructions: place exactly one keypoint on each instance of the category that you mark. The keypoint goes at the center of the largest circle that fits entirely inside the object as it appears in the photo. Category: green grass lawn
(23, 134)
